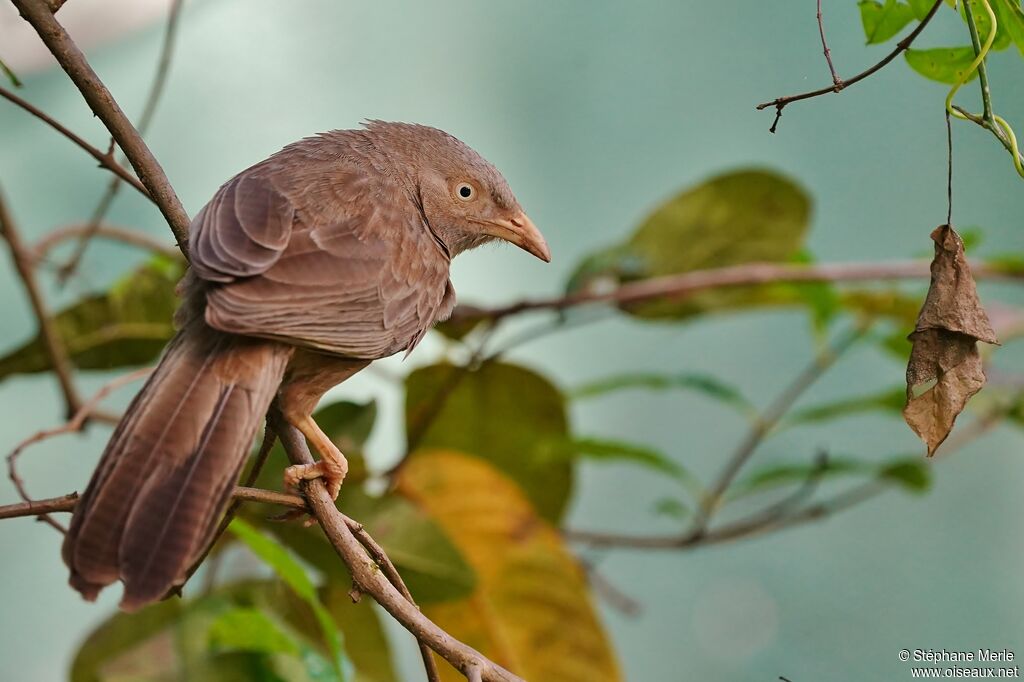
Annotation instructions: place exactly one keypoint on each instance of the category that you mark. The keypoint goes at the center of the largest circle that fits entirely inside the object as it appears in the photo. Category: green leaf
(127, 326)
(499, 412)
(920, 8)
(11, 76)
(249, 629)
(602, 449)
(882, 22)
(984, 24)
(1011, 19)
(118, 635)
(295, 577)
(740, 217)
(692, 381)
(942, 64)
(891, 400)
(911, 473)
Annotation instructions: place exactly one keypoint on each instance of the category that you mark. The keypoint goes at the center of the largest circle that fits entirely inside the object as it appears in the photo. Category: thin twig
(674, 287)
(118, 234)
(767, 421)
(780, 103)
(611, 593)
(96, 94)
(106, 160)
(366, 573)
(71, 426)
(836, 80)
(56, 351)
(156, 89)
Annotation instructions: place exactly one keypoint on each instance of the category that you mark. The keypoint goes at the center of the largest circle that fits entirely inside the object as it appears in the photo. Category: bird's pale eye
(465, 191)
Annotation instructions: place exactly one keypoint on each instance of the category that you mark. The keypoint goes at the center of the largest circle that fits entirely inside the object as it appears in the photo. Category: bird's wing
(364, 279)
(242, 231)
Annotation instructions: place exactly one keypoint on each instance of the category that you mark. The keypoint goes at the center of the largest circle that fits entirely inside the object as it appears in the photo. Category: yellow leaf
(531, 611)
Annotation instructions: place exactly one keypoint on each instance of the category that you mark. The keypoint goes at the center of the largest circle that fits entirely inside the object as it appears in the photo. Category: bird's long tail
(167, 473)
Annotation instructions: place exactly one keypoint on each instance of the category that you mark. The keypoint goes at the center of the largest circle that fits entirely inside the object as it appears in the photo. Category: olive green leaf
(500, 412)
(125, 327)
(292, 573)
(652, 381)
(739, 217)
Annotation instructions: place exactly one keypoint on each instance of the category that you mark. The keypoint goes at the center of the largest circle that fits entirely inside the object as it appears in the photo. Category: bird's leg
(308, 377)
(332, 466)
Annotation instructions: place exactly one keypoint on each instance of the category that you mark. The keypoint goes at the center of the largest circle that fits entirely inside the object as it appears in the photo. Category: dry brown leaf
(945, 368)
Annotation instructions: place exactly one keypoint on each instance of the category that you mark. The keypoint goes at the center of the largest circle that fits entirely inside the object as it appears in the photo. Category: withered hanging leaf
(945, 368)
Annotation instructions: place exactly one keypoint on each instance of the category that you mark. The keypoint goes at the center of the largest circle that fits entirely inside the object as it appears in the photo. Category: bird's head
(465, 199)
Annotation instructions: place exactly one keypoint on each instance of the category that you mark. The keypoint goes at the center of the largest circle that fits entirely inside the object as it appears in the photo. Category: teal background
(596, 112)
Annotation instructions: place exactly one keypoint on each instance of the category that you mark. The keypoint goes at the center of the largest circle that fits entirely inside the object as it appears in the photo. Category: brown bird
(306, 267)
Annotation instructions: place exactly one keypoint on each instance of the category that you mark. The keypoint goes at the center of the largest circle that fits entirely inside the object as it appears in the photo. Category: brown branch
(118, 234)
(96, 94)
(368, 577)
(680, 286)
(66, 503)
(378, 554)
(780, 103)
(105, 159)
(156, 89)
(39, 508)
(48, 331)
(837, 82)
(73, 425)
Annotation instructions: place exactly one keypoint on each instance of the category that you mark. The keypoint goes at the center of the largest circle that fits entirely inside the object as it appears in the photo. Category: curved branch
(369, 578)
(96, 94)
(689, 283)
(839, 85)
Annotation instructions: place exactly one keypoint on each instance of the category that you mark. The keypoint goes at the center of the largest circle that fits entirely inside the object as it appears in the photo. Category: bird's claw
(332, 473)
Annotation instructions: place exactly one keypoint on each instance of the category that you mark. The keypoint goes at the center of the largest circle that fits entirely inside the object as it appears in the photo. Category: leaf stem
(980, 54)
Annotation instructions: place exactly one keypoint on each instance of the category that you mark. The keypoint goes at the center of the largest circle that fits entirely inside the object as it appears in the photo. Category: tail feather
(167, 473)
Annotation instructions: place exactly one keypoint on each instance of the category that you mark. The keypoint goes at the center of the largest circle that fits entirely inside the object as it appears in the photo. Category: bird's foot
(332, 473)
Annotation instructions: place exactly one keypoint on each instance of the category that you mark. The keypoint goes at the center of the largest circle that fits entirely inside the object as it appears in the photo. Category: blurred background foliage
(480, 465)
